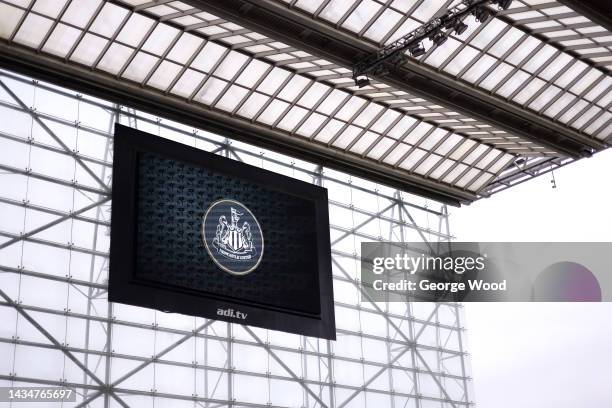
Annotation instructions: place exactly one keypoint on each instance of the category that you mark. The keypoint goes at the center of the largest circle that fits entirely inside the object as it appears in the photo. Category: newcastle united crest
(232, 236)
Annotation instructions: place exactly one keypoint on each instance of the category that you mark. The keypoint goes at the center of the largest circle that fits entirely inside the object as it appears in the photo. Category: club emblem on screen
(233, 240)
(232, 236)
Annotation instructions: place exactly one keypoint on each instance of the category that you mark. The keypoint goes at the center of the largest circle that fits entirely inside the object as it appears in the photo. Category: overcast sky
(541, 355)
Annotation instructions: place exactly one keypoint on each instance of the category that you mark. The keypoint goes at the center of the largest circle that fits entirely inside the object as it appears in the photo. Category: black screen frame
(125, 288)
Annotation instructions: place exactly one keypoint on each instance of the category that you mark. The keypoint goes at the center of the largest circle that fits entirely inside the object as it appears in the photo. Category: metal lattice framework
(204, 60)
(542, 55)
(531, 85)
(521, 75)
(438, 28)
(59, 329)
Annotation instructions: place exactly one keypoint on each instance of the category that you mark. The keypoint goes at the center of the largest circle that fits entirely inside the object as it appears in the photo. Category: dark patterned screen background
(172, 199)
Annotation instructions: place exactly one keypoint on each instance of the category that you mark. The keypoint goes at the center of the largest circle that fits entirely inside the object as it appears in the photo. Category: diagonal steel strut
(58, 345)
(54, 222)
(399, 331)
(54, 136)
(146, 363)
(286, 367)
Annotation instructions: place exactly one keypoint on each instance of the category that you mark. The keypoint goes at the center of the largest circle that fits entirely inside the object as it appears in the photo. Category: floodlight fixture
(460, 28)
(481, 14)
(363, 81)
(448, 22)
(503, 4)
(439, 38)
(416, 50)
(438, 29)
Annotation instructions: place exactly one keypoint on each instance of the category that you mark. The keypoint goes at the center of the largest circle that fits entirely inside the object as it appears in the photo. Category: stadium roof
(524, 92)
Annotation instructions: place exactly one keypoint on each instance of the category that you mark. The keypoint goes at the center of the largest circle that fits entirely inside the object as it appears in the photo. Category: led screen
(196, 233)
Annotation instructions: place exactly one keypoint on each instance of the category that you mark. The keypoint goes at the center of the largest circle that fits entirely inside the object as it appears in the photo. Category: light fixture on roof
(437, 29)
(455, 24)
(439, 38)
(416, 50)
(481, 14)
(519, 161)
(460, 27)
(363, 81)
(503, 4)
(587, 152)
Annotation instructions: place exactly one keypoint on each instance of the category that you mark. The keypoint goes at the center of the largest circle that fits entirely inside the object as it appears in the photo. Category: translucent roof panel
(206, 60)
(279, 54)
(539, 54)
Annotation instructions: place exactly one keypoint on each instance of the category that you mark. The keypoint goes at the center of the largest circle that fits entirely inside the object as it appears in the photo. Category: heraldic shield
(233, 236)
